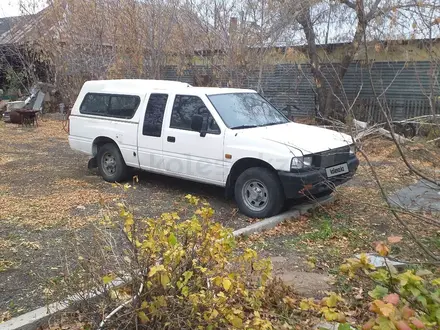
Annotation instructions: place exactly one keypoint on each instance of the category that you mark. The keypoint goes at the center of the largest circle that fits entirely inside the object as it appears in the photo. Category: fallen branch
(399, 138)
(366, 131)
(117, 309)
(434, 140)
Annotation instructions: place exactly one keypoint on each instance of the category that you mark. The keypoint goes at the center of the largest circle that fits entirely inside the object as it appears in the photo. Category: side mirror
(197, 125)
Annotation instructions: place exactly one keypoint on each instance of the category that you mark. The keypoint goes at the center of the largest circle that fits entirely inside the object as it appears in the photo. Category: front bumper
(300, 184)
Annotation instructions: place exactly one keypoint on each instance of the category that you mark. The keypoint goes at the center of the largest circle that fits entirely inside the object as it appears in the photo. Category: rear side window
(154, 115)
(108, 105)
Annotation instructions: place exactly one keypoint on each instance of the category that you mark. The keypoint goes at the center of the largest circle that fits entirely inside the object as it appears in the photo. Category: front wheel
(111, 165)
(258, 193)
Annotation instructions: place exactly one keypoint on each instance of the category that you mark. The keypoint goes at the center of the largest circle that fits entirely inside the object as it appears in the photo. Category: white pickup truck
(232, 138)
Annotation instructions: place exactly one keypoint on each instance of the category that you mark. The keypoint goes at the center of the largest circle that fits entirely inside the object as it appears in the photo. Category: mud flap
(93, 163)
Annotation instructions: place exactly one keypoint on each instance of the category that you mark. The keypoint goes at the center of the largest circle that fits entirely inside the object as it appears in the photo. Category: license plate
(336, 170)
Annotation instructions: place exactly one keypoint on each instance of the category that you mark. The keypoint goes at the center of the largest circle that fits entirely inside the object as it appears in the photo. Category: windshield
(246, 110)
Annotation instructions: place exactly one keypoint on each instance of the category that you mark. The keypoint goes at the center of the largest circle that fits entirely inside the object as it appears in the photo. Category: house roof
(56, 22)
(20, 29)
(6, 24)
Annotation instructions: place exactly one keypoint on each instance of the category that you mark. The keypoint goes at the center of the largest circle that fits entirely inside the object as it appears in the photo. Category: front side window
(154, 115)
(109, 105)
(246, 110)
(185, 107)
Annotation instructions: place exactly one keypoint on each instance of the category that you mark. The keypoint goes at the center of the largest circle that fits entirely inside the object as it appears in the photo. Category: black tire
(269, 183)
(116, 173)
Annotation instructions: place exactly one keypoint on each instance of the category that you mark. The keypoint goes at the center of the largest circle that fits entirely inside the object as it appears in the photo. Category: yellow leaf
(236, 321)
(172, 240)
(155, 269)
(185, 291)
(436, 282)
(108, 278)
(187, 275)
(226, 284)
(332, 300)
(214, 314)
(143, 317)
(164, 280)
(217, 281)
(304, 305)
(161, 301)
(330, 314)
(386, 309)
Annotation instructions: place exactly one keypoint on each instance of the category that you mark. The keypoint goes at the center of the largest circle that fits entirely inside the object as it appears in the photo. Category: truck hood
(306, 138)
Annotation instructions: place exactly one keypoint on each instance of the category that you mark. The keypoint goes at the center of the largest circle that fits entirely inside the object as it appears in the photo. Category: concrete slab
(293, 213)
(40, 316)
(422, 196)
(305, 283)
(330, 326)
(379, 262)
(33, 319)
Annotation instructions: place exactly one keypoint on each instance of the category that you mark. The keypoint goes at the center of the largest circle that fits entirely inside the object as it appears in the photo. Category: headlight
(352, 149)
(301, 162)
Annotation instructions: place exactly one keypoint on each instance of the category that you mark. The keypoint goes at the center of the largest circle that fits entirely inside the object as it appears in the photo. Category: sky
(9, 8)
(12, 7)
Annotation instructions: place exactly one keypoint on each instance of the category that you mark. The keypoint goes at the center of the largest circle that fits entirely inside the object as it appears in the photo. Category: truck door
(186, 153)
(150, 135)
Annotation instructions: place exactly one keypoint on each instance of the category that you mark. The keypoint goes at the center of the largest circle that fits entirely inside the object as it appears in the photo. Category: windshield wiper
(244, 126)
(271, 124)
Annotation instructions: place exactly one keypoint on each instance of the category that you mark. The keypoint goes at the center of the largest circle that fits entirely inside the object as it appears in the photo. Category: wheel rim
(255, 195)
(109, 164)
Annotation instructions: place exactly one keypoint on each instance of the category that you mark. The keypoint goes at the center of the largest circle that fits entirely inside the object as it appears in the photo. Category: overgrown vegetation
(190, 273)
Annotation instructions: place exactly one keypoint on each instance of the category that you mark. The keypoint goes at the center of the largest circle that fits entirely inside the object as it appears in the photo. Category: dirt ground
(49, 198)
(50, 202)
(360, 217)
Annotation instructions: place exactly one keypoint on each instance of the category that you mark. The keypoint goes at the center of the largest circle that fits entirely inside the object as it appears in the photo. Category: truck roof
(142, 86)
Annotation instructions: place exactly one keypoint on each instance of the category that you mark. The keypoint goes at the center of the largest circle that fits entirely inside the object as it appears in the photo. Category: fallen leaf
(382, 249)
(394, 239)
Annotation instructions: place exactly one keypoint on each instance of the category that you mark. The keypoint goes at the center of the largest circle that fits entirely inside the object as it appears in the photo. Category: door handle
(171, 139)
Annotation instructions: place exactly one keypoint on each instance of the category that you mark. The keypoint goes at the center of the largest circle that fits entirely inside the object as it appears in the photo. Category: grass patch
(5, 265)
(325, 228)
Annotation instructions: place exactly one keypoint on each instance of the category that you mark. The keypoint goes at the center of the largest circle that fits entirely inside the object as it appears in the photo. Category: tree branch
(348, 3)
(373, 10)
(393, 211)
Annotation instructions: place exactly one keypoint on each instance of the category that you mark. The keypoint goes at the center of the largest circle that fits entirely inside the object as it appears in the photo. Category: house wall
(392, 51)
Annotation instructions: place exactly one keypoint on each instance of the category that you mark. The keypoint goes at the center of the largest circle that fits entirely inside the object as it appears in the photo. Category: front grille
(331, 157)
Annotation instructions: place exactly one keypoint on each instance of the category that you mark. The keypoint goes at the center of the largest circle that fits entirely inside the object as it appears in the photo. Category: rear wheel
(258, 193)
(111, 165)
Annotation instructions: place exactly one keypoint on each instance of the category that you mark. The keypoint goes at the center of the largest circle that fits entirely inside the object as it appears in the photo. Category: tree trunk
(333, 110)
(320, 85)
(348, 57)
(327, 89)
